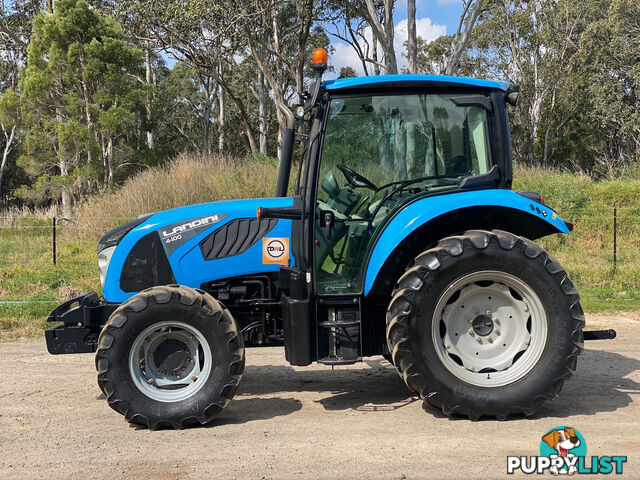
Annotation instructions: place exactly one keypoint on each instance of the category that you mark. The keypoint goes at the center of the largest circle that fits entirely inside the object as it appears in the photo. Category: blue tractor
(402, 238)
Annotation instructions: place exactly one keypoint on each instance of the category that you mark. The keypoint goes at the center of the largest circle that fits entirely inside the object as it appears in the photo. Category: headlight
(104, 257)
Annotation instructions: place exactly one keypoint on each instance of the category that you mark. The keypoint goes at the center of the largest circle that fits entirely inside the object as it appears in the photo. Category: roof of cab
(409, 81)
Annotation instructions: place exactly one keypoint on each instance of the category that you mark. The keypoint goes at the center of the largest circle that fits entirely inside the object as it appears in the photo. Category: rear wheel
(486, 323)
(170, 356)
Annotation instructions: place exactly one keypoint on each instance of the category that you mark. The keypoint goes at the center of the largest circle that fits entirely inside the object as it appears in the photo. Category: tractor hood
(193, 245)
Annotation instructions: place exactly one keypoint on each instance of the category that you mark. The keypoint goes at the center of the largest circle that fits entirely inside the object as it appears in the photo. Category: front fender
(425, 210)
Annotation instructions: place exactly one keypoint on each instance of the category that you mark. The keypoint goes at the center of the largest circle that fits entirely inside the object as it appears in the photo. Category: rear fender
(422, 223)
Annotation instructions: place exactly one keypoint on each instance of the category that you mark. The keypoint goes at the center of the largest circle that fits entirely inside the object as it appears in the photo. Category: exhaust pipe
(284, 167)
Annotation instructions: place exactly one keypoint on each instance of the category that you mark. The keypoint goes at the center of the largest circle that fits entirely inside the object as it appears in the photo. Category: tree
(347, 21)
(347, 72)
(470, 12)
(83, 95)
(10, 120)
(384, 31)
(412, 39)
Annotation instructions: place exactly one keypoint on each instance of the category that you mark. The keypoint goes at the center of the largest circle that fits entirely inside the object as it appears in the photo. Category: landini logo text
(563, 451)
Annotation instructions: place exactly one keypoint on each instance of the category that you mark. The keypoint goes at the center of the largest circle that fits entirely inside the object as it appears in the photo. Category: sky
(433, 19)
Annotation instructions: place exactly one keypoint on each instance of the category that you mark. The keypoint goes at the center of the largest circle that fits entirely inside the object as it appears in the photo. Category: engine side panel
(181, 231)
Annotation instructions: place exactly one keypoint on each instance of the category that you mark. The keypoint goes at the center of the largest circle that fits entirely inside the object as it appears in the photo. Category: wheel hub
(172, 357)
(169, 361)
(482, 325)
(489, 328)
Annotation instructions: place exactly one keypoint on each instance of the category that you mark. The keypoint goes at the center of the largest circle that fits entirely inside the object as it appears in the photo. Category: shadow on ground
(600, 385)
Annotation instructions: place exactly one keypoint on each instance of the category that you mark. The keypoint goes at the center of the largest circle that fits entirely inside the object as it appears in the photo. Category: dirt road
(285, 422)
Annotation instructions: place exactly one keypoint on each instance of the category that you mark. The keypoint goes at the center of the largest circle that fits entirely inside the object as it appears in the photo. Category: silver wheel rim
(489, 328)
(183, 381)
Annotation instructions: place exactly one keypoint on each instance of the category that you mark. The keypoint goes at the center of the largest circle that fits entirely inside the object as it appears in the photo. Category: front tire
(486, 323)
(170, 356)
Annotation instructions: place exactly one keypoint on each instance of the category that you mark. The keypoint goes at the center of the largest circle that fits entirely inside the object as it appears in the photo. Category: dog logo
(563, 451)
(275, 251)
(562, 441)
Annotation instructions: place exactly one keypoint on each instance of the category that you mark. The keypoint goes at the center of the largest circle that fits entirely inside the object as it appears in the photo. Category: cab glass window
(378, 152)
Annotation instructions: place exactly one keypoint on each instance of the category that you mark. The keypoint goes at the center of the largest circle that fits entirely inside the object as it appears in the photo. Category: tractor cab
(375, 145)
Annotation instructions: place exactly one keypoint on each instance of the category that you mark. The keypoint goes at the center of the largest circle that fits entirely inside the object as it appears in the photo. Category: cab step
(339, 332)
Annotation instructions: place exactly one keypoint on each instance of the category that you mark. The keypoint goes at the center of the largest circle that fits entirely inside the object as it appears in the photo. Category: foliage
(82, 101)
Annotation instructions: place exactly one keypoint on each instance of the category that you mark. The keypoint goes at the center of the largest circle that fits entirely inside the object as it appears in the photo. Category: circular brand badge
(275, 248)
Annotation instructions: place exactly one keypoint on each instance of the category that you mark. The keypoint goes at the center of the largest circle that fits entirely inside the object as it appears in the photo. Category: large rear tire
(486, 323)
(170, 356)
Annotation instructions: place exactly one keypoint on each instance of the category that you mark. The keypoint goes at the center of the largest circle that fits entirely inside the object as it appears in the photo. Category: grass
(587, 253)
(27, 272)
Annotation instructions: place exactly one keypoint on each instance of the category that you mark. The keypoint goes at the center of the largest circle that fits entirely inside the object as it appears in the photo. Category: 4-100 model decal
(176, 234)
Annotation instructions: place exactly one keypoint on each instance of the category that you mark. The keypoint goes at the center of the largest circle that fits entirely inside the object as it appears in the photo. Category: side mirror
(512, 94)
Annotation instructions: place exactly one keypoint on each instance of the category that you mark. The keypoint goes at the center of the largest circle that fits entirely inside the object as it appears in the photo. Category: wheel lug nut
(497, 332)
(471, 332)
(490, 340)
(150, 381)
(526, 308)
(479, 340)
(193, 378)
(489, 312)
(470, 368)
(447, 346)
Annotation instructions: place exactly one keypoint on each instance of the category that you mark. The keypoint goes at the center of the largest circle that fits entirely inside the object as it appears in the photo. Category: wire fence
(614, 233)
(39, 253)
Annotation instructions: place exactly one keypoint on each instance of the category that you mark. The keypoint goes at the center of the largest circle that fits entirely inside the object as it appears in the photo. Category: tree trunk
(109, 159)
(462, 38)
(545, 153)
(412, 168)
(384, 33)
(204, 148)
(276, 89)
(412, 40)
(65, 195)
(374, 54)
(262, 113)
(149, 79)
(399, 151)
(87, 99)
(220, 113)
(7, 150)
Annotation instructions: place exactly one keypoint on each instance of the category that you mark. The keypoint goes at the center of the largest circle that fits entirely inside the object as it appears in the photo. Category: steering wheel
(354, 179)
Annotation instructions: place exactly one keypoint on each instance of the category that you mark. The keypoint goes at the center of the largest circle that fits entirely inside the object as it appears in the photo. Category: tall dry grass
(185, 180)
(14, 216)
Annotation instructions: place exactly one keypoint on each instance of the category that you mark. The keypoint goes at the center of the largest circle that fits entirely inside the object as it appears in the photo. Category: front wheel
(486, 323)
(170, 356)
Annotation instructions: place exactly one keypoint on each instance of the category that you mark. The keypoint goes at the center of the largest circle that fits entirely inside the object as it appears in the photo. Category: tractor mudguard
(181, 236)
(504, 209)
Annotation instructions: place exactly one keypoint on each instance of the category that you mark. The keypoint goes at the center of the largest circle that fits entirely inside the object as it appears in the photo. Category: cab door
(380, 152)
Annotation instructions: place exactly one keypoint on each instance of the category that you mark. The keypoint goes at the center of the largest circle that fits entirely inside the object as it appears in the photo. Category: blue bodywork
(387, 80)
(418, 213)
(188, 265)
(191, 269)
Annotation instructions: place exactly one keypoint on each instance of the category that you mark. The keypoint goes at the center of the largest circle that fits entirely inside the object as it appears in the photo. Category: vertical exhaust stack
(286, 153)
(319, 61)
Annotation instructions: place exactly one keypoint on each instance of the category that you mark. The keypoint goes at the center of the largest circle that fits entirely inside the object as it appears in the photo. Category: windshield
(379, 152)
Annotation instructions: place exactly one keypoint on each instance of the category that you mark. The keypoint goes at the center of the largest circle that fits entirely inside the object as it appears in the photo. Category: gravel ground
(289, 422)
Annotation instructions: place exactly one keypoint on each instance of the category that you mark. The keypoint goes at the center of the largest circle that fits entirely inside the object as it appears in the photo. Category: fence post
(615, 236)
(54, 241)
